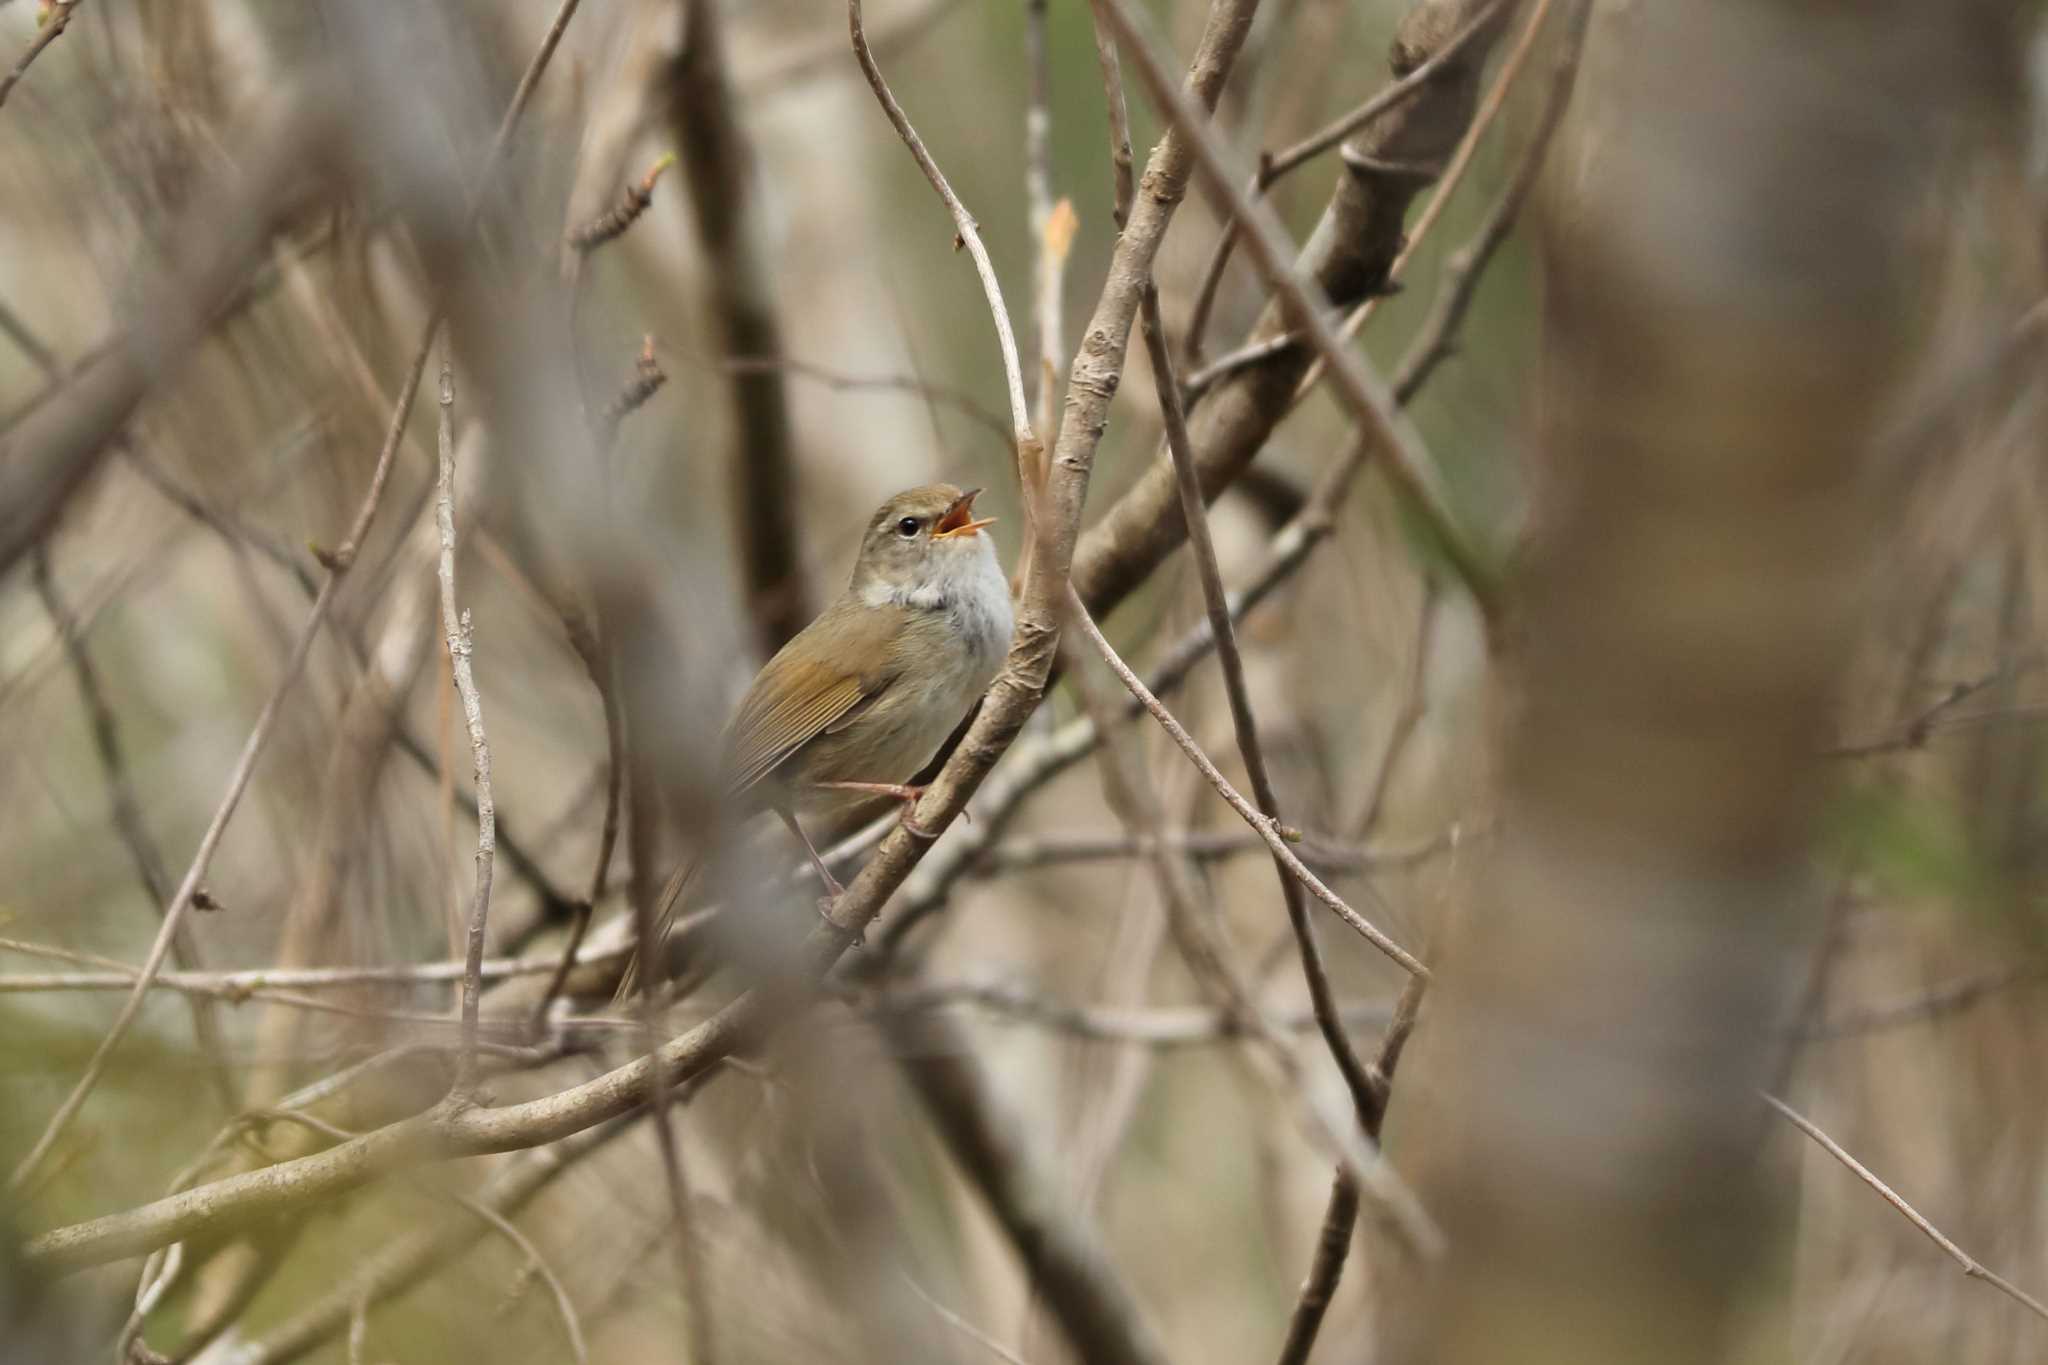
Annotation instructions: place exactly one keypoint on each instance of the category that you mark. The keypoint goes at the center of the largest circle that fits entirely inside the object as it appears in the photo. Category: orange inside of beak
(959, 519)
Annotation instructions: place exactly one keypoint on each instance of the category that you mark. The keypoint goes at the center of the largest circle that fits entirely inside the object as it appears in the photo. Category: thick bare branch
(1346, 259)
(718, 161)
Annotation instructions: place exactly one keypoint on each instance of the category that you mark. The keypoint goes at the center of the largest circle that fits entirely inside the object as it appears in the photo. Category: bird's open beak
(959, 519)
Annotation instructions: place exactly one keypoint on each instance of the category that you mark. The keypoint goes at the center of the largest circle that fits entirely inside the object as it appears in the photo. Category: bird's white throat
(966, 582)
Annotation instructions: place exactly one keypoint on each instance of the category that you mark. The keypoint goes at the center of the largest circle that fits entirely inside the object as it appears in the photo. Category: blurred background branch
(1638, 633)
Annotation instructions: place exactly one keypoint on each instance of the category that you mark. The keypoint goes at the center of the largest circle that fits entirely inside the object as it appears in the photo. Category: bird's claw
(896, 791)
(825, 904)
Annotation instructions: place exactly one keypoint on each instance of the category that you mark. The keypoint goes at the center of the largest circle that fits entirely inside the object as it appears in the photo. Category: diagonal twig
(54, 19)
(1268, 830)
(1972, 1267)
(127, 811)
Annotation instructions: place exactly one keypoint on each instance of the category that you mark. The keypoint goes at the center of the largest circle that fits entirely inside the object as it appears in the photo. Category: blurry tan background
(827, 1217)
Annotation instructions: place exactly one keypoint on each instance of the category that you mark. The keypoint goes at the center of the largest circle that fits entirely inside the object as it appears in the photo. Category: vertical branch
(1340, 1215)
(1119, 117)
(1052, 229)
(718, 161)
(456, 628)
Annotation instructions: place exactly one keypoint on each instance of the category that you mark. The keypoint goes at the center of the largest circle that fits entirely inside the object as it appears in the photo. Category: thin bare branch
(840, 381)
(827, 55)
(966, 234)
(1949, 998)
(1972, 1267)
(1340, 1214)
(53, 20)
(456, 630)
(1243, 723)
(1119, 116)
(565, 1307)
(247, 983)
(964, 1327)
(1157, 1027)
(1267, 829)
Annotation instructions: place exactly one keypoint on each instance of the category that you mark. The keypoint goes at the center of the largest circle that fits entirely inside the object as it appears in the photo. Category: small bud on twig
(614, 221)
(648, 377)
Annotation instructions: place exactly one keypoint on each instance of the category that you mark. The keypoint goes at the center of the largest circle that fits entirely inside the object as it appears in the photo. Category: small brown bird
(861, 699)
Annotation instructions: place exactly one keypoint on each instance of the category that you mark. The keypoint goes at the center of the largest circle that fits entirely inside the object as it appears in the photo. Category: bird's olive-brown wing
(831, 671)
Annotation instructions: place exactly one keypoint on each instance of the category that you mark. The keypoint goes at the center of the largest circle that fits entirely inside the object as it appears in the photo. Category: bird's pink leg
(833, 890)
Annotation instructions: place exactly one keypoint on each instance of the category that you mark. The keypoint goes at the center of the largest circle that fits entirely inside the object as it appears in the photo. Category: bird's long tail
(675, 895)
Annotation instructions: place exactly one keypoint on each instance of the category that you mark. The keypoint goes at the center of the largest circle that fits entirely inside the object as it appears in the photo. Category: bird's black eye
(907, 527)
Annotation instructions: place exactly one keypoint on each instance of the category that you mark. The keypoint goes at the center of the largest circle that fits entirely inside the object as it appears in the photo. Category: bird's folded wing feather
(804, 693)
